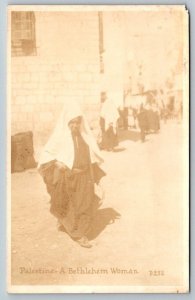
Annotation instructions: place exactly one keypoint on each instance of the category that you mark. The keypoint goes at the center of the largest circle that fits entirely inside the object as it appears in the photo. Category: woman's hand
(60, 165)
(76, 171)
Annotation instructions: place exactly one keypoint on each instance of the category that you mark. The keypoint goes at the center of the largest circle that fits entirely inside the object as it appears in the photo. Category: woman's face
(75, 125)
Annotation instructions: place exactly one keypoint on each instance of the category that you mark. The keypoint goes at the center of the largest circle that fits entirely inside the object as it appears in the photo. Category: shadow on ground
(119, 149)
(131, 135)
(103, 217)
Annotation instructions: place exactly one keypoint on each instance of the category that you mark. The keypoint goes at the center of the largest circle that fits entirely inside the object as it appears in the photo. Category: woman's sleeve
(98, 173)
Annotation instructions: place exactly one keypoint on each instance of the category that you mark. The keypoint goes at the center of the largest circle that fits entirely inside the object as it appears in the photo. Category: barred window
(23, 39)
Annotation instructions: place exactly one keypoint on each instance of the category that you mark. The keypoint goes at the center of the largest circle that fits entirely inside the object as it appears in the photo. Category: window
(23, 41)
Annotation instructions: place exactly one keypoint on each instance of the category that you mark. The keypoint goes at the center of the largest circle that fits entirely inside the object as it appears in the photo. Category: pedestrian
(131, 118)
(143, 122)
(69, 165)
(108, 123)
(150, 118)
(156, 118)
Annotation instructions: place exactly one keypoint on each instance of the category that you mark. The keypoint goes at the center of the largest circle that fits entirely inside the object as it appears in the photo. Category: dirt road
(144, 185)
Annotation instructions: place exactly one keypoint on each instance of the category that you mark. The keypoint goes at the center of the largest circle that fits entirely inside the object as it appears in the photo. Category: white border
(104, 289)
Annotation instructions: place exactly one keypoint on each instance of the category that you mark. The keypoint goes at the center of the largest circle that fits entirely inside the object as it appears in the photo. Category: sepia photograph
(98, 149)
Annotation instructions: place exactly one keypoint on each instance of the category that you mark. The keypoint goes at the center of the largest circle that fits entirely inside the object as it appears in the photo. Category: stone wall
(66, 68)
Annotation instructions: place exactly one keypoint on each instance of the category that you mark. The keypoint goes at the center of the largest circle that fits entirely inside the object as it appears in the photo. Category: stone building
(62, 56)
(61, 64)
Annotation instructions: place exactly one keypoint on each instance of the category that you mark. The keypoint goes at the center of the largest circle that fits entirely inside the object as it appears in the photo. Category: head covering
(60, 145)
(109, 113)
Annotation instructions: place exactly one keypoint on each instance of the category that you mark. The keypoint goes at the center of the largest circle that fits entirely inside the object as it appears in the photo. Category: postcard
(98, 149)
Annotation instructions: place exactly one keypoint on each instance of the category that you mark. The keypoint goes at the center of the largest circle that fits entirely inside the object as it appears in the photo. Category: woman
(69, 166)
(143, 122)
(108, 123)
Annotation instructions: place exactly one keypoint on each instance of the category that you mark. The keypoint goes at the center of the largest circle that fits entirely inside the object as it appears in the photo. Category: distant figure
(153, 118)
(163, 112)
(156, 118)
(69, 166)
(132, 117)
(143, 122)
(125, 118)
(108, 123)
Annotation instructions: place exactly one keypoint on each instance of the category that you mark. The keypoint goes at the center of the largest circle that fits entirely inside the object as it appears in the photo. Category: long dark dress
(153, 120)
(72, 191)
(143, 123)
(109, 138)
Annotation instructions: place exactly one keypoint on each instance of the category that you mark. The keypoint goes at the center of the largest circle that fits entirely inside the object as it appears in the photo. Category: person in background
(131, 117)
(143, 122)
(69, 165)
(156, 117)
(108, 123)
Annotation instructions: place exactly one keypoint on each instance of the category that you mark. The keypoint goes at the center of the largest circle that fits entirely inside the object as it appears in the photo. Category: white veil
(60, 145)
